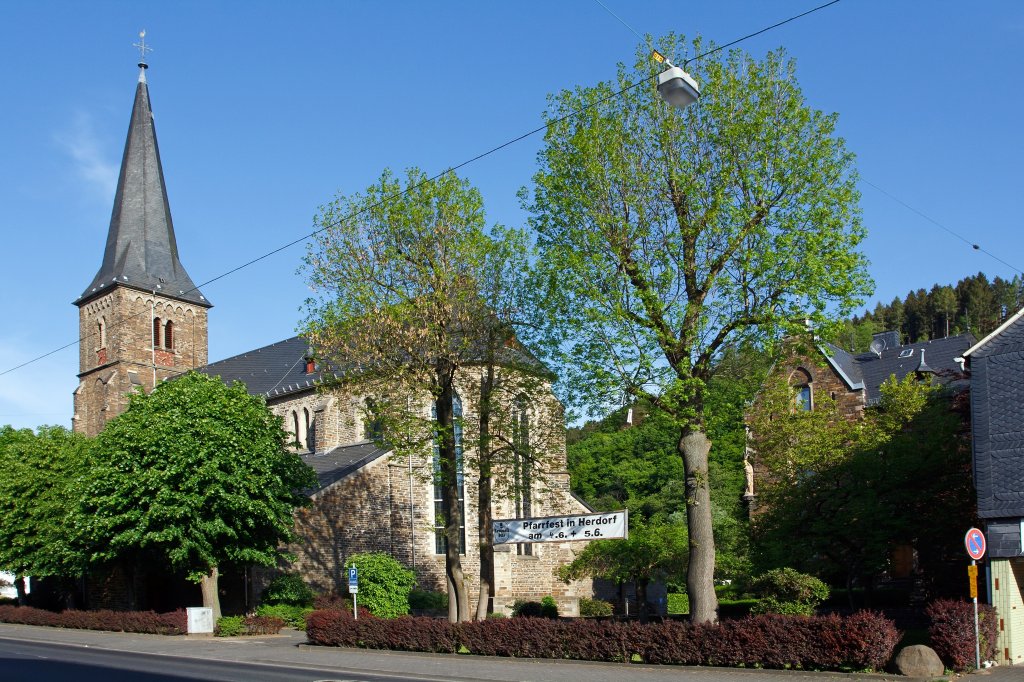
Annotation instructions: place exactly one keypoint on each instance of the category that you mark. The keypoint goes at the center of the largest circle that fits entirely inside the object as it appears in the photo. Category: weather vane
(143, 48)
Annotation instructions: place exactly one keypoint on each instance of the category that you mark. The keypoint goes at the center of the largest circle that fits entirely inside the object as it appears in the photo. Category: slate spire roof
(141, 251)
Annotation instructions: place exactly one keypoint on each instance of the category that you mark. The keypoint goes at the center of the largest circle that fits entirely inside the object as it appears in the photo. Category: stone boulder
(919, 660)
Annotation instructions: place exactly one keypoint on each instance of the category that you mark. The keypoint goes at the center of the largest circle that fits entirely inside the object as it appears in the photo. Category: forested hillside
(974, 304)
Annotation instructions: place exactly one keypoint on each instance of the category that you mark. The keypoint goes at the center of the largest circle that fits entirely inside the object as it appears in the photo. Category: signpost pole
(974, 541)
(974, 594)
(355, 610)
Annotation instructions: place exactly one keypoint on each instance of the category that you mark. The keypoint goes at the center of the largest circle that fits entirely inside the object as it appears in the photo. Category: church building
(142, 320)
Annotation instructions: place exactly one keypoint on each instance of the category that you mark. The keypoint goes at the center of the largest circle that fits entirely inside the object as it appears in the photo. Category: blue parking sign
(353, 578)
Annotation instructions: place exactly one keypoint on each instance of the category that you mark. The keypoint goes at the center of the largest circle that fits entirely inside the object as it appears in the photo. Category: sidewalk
(289, 649)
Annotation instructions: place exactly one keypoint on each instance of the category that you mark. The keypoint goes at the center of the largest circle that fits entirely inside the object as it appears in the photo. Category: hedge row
(952, 632)
(174, 623)
(863, 640)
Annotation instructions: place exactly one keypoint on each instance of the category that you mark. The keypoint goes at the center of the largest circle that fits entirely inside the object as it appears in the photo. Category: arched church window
(169, 335)
(440, 541)
(310, 430)
(295, 426)
(373, 426)
(156, 332)
(522, 465)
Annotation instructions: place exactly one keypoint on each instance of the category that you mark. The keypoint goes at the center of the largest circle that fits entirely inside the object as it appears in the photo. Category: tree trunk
(211, 597)
(448, 462)
(19, 586)
(641, 599)
(485, 517)
(694, 446)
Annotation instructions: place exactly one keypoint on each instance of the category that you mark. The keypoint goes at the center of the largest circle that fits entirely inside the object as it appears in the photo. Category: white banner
(609, 525)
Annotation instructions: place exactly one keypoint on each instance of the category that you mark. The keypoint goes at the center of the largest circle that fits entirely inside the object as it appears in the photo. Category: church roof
(336, 464)
(274, 370)
(141, 251)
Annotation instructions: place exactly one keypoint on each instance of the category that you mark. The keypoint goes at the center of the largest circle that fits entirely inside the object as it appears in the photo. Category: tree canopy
(853, 490)
(39, 493)
(196, 473)
(666, 237)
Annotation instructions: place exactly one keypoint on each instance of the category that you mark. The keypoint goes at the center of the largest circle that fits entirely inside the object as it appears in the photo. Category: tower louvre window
(101, 330)
(169, 335)
(156, 332)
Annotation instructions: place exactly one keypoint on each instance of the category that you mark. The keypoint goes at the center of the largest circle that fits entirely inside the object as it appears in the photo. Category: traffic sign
(353, 579)
(974, 541)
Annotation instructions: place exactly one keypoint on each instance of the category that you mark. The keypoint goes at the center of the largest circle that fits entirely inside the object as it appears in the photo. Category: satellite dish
(877, 346)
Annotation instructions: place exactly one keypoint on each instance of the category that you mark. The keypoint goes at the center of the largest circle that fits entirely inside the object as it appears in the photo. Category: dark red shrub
(263, 625)
(864, 640)
(174, 623)
(952, 632)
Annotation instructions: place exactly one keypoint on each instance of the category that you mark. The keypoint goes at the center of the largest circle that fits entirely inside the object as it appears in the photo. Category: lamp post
(677, 87)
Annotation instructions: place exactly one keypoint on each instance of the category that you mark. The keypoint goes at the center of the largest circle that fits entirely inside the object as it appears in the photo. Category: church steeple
(141, 251)
(142, 320)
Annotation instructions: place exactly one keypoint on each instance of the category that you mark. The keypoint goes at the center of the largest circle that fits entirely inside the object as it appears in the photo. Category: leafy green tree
(653, 551)
(666, 237)
(39, 494)
(410, 292)
(852, 490)
(384, 584)
(196, 473)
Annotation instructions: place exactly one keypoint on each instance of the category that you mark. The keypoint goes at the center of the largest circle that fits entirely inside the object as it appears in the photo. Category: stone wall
(117, 354)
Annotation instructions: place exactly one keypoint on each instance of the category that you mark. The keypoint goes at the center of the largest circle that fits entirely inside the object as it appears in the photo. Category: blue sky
(264, 110)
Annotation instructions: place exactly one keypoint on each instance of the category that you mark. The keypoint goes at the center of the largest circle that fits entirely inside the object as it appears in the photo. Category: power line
(935, 222)
(432, 178)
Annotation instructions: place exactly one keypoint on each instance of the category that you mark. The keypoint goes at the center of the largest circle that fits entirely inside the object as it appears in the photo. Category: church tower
(141, 320)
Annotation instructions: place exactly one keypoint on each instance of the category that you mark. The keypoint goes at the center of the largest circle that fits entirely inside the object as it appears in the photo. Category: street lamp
(677, 87)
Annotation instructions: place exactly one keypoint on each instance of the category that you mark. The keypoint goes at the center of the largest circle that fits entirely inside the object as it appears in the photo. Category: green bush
(294, 616)
(426, 600)
(545, 608)
(384, 584)
(288, 588)
(594, 607)
(230, 626)
(788, 592)
(678, 603)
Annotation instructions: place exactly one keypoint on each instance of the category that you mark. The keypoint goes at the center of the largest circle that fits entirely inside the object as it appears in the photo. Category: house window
(440, 540)
(522, 467)
(156, 332)
(803, 398)
(169, 335)
(802, 384)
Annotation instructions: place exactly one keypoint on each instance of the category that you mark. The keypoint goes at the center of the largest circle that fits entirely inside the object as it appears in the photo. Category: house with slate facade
(996, 364)
(142, 321)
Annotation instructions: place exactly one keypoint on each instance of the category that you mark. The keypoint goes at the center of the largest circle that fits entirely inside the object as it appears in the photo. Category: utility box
(200, 620)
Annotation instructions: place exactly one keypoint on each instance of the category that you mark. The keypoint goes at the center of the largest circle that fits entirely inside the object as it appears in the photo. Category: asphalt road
(39, 654)
(45, 662)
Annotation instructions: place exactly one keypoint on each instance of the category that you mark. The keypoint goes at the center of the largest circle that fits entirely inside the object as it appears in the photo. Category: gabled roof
(1009, 333)
(274, 370)
(900, 361)
(336, 464)
(141, 251)
(844, 364)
